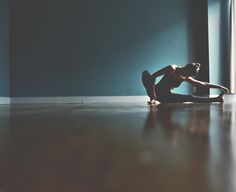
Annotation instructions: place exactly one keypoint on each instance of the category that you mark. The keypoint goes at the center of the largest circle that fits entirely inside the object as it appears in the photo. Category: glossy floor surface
(118, 147)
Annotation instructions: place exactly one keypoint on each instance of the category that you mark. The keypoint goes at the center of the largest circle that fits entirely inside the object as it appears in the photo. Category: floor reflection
(186, 119)
(208, 131)
(233, 144)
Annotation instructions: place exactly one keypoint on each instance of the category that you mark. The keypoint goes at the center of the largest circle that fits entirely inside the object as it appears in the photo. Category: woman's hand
(224, 89)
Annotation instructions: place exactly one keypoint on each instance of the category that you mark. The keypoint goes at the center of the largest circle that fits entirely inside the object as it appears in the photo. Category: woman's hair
(192, 69)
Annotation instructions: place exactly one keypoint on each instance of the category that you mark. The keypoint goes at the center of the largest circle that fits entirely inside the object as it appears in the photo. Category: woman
(173, 76)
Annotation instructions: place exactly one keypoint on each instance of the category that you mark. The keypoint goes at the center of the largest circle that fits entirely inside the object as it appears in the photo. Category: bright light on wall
(233, 42)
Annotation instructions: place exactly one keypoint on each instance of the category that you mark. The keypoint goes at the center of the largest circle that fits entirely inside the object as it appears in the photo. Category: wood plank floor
(118, 147)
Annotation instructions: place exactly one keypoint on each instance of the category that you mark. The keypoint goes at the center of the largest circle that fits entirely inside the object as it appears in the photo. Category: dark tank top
(168, 82)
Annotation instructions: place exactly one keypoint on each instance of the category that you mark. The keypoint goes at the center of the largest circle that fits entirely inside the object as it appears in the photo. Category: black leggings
(178, 98)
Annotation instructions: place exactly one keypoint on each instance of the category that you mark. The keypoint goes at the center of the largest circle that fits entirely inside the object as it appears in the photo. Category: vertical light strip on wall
(232, 63)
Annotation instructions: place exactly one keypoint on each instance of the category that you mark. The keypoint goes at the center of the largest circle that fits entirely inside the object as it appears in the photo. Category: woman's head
(191, 69)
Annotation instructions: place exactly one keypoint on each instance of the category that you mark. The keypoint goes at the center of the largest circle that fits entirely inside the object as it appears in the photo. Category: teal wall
(219, 41)
(90, 47)
(4, 48)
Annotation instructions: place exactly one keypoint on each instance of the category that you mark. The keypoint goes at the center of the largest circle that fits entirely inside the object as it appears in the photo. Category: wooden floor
(118, 147)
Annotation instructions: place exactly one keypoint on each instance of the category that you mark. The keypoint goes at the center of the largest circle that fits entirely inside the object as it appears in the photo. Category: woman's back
(169, 81)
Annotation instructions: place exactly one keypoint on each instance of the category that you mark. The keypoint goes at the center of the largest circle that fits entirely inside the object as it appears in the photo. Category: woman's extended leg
(178, 98)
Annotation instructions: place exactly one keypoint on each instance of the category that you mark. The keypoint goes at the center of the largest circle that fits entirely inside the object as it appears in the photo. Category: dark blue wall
(91, 47)
(219, 41)
(4, 48)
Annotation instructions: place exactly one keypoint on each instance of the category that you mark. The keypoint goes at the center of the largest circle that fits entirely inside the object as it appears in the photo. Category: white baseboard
(5, 100)
(78, 100)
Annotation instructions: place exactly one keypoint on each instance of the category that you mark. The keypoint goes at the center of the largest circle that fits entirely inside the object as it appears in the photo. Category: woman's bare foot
(152, 102)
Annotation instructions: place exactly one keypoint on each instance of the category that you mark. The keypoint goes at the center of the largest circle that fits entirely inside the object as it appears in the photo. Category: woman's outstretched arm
(205, 84)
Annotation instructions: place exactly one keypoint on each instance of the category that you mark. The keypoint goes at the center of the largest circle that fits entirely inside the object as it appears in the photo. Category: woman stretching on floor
(173, 76)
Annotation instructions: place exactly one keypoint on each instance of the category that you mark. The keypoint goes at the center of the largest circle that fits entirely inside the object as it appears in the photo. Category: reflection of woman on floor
(175, 121)
(173, 76)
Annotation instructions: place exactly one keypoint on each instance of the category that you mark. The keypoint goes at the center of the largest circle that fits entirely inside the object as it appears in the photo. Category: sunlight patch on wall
(214, 44)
